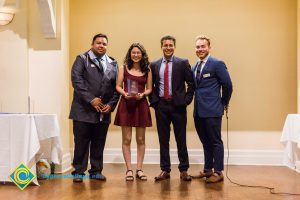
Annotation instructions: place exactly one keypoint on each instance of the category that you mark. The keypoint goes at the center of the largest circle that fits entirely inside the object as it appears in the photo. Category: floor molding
(66, 164)
(298, 166)
(236, 156)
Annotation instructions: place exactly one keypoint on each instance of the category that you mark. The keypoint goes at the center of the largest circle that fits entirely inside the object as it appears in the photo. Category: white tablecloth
(25, 138)
(290, 138)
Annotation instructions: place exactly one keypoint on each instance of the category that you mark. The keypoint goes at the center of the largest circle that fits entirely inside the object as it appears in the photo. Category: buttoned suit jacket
(214, 89)
(89, 81)
(182, 82)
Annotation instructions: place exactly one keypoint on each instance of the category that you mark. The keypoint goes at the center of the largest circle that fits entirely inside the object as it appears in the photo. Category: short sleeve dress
(132, 112)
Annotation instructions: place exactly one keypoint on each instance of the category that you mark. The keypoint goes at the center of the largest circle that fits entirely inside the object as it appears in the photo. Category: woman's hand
(127, 96)
(139, 96)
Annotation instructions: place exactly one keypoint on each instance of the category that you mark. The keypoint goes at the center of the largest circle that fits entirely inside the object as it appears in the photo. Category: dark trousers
(166, 112)
(90, 139)
(209, 132)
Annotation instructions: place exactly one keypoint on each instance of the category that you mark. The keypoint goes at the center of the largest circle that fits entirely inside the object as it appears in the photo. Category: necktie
(100, 64)
(166, 81)
(198, 72)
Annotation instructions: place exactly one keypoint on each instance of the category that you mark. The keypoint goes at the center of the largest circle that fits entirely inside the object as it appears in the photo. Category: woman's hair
(144, 63)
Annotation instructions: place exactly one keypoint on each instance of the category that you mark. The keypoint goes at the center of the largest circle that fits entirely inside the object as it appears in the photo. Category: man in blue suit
(213, 90)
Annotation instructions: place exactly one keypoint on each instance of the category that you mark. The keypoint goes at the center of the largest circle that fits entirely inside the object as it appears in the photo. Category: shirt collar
(104, 57)
(164, 59)
(205, 59)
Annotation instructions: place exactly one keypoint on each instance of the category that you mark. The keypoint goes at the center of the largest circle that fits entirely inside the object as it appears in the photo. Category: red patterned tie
(166, 81)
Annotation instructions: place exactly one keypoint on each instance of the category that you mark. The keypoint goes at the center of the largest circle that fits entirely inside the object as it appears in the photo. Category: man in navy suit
(170, 97)
(213, 90)
(95, 97)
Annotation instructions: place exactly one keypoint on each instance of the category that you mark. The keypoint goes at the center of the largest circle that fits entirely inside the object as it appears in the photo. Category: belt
(166, 99)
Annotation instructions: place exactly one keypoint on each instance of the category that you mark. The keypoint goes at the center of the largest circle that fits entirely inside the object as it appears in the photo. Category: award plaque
(132, 87)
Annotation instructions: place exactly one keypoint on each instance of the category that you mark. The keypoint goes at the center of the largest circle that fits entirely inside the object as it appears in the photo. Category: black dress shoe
(78, 178)
(98, 176)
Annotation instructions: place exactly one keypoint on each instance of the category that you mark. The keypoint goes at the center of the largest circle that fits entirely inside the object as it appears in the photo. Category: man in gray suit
(95, 97)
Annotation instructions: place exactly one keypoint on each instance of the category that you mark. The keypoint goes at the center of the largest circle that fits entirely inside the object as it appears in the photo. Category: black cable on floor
(271, 189)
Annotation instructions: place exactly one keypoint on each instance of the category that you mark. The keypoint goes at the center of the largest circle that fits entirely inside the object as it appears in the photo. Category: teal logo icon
(22, 176)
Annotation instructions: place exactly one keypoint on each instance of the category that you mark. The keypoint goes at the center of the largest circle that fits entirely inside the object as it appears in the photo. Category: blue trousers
(209, 132)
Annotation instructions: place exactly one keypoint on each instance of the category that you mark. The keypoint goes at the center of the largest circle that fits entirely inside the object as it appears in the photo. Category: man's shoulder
(214, 59)
(83, 55)
(216, 63)
(112, 61)
(176, 58)
(180, 60)
(112, 58)
(156, 61)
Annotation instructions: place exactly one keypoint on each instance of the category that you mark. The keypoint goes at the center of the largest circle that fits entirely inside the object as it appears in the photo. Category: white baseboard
(298, 166)
(66, 164)
(236, 156)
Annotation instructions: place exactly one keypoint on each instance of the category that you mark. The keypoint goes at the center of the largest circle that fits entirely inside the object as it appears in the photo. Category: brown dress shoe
(203, 175)
(215, 178)
(185, 176)
(162, 176)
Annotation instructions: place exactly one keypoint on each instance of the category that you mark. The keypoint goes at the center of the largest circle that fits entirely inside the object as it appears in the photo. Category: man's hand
(97, 103)
(106, 108)
(226, 108)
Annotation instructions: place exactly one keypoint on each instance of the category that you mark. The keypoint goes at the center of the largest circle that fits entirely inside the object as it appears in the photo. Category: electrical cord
(271, 189)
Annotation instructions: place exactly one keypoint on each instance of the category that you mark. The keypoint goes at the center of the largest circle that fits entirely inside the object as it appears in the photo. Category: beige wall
(14, 64)
(34, 66)
(256, 39)
(298, 56)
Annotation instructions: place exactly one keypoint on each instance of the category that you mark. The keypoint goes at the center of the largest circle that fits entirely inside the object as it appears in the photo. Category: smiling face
(136, 55)
(168, 48)
(99, 46)
(202, 48)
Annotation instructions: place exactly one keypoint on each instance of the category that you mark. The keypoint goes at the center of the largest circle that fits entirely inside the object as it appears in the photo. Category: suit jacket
(215, 78)
(181, 75)
(89, 82)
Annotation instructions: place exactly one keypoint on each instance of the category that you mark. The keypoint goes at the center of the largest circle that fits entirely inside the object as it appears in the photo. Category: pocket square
(92, 65)
(206, 75)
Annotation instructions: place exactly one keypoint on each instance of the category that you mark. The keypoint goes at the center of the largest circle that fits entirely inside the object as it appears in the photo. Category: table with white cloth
(24, 138)
(290, 138)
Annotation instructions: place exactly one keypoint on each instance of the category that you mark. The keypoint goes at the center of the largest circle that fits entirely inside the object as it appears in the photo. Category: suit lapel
(205, 67)
(157, 68)
(174, 65)
(194, 72)
(110, 68)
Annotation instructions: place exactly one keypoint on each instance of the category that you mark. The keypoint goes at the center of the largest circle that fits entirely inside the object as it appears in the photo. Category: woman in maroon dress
(134, 83)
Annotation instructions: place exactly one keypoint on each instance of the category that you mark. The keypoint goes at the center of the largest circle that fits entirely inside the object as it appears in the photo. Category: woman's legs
(140, 141)
(126, 141)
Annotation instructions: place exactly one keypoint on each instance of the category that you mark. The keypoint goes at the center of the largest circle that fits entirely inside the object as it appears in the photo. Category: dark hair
(144, 63)
(167, 37)
(99, 35)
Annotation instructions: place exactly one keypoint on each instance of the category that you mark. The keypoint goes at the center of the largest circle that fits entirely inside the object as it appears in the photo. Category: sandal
(129, 177)
(141, 177)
